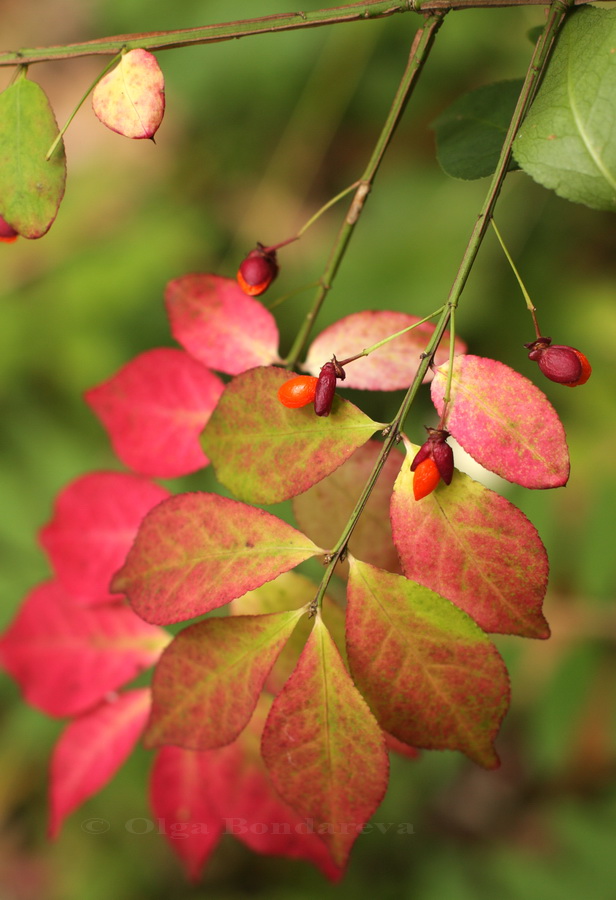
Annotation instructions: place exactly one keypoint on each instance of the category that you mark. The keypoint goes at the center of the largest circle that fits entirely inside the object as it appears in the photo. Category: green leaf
(31, 187)
(568, 140)
(208, 680)
(429, 673)
(470, 133)
(264, 452)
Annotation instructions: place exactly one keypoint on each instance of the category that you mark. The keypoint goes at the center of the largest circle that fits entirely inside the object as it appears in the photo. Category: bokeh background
(258, 133)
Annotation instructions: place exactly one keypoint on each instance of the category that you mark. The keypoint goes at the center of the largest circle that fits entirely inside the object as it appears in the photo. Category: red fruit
(436, 448)
(298, 391)
(258, 270)
(326, 386)
(560, 363)
(7, 233)
(426, 478)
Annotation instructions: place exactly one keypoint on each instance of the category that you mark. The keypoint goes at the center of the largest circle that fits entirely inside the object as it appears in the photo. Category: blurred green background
(258, 133)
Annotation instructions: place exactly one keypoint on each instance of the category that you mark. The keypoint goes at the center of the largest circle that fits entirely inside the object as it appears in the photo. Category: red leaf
(95, 522)
(475, 548)
(391, 367)
(208, 680)
(219, 325)
(180, 789)
(154, 409)
(130, 99)
(195, 552)
(66, 657)
(91, 750)
(324, 509)
(324, 751)
(504, 421)
(432, 677)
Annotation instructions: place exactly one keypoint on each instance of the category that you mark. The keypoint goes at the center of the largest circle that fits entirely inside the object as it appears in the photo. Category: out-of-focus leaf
(95, 521)
(470, 133)
(391, 367)
(208, 680)
(264, 452)
(155, 408)
(323, 748)
(567, 141)
(431, 676)
(504, 421)
(91, 750)
(31, 187)
(66, 657)
(196, 552)
(214, 320)
(130, 99)
(475, 548)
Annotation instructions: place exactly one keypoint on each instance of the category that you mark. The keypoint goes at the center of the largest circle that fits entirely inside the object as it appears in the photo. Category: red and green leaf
(67, 657)
(431, 676)
(130, 99)
(323, 748)
(31, 187)
(391, 367)
(208, 680)
(475, 548)
(91, 750)
(95, 521)
(155, 408)
(214, 320)
(196, 552)
(264, 452)
(324, 509)
(504, 422)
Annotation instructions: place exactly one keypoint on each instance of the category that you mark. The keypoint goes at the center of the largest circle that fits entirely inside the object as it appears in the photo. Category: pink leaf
(66, 657)
(219, 325)
(91, 750)
(504, 422)
(95, 522)
(208, 680)
(180, 790)
(130, 99)
(195, 552)
(475, 548)
(391, 367)
(154, 410)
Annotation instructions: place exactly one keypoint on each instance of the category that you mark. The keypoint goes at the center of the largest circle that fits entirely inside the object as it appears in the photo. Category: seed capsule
(257, 271)
(298, 391)
(326, 386)
(437, 449)
(559, 363)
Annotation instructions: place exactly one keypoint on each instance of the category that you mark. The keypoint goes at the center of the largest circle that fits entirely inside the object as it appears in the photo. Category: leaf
(264, 452)
(470, 133)
(95, 521)
(31, 188)
(567, 141)
(91, 750)
(391, 367)
(290, 591)
(180, 798)
(214, 320)
(504, 422)
(208, 680)
(324, 509)
(431, 676)
(195, 552)
(475, 548)
(130, 99)
(155, 408)
(67, 657)
(323, 749)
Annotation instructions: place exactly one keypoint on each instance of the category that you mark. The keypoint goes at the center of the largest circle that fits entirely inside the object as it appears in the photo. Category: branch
(166, 40)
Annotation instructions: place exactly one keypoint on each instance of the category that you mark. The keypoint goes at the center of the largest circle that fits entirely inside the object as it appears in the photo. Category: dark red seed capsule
(326, 388)
(437, 449)
(561, 364)
(257, 271)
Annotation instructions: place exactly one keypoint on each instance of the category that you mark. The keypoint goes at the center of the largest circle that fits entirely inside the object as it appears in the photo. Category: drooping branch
(207, 34)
